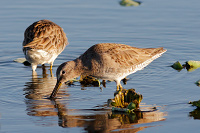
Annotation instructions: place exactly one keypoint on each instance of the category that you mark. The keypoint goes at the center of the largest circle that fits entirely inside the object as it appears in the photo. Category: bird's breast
(39, 56)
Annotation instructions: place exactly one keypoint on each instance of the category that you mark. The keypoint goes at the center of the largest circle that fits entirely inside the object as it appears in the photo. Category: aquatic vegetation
(71, 82)
(190, 65)
(125, 101)
(195, 113)
(177, 65)
(129, 3)
(195, 103)
(197, 83)
(126, 118)
(193, 63)
(124, 81)
(89, 80)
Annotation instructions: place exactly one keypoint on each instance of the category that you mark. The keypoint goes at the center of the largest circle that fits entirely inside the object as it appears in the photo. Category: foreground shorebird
(107, 61)
(43, 42)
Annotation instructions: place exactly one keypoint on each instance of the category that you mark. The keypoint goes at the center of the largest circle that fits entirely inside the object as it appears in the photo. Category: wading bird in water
(107, 61)
(43, 42)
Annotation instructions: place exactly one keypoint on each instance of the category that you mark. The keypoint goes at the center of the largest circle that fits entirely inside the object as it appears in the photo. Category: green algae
(126, 101)
(177, 65)
(195, 103)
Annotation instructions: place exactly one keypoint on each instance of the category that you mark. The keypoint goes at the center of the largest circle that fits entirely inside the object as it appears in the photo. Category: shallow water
(24, 106)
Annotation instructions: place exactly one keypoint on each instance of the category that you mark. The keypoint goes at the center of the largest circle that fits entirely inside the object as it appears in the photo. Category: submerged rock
(129, 3)
(23, 61)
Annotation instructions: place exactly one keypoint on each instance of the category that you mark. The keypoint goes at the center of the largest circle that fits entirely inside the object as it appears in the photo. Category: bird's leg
(34, 74)
(119, 87)
(51, 65)
(34, 66)
(43, 67)
(104, 83)
(44, 72)
(81, 78)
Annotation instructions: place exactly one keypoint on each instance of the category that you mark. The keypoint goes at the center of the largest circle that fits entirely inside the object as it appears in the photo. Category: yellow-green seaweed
(126, 100)
(193, 63)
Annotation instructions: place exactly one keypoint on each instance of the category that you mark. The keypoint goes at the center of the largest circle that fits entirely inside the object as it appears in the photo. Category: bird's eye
(63, 72)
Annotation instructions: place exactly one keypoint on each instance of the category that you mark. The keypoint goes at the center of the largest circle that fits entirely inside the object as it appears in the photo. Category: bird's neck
(78, 67)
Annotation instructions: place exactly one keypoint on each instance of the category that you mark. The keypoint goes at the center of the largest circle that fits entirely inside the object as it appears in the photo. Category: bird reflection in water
(100, 119)
(107, 121)
(36, 92)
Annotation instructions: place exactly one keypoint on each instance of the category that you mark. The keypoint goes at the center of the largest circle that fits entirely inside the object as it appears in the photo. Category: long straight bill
(55, 91)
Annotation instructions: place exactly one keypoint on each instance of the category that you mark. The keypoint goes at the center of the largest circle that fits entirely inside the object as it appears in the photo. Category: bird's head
(64, 73)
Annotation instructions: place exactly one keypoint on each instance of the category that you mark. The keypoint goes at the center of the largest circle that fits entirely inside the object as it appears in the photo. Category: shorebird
(43, 42)
(107, 61)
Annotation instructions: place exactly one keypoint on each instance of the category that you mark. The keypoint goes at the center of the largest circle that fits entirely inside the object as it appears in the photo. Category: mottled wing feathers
(45, 35)
(140, 56)
(125, 56)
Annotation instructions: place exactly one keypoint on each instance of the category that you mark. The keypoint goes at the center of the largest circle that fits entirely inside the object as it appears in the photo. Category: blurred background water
(170, 24)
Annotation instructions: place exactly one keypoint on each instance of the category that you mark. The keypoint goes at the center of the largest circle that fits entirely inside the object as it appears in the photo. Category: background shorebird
(107, 61)
(43, 42)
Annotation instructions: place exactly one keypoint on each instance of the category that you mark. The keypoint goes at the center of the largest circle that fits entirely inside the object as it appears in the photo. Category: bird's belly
(112, 76)
(115, 74)
(40, 56)
(109, 77)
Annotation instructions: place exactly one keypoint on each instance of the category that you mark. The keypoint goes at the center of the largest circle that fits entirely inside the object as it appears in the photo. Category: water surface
(170, 24)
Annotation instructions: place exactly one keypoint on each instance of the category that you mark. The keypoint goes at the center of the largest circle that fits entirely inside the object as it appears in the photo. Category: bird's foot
(119, 87)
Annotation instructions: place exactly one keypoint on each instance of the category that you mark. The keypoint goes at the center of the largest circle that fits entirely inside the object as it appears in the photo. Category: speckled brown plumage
(43, 42)
(112, 58)
(108, 61)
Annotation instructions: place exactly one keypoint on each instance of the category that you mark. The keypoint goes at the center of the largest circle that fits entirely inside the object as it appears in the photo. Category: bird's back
(111, 58)
(45, 35)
